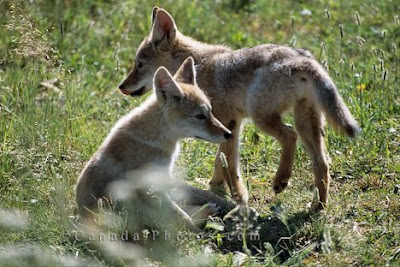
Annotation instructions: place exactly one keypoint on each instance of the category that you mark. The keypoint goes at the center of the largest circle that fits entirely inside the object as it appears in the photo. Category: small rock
(306, 12)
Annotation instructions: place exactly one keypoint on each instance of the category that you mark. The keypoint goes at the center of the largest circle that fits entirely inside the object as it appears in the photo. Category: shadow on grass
(277, 230)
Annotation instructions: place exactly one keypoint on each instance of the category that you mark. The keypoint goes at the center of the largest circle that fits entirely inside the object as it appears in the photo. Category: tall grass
(61, 61)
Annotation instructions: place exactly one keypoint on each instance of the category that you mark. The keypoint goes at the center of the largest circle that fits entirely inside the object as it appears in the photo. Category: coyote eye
(140, 65)
(201, 116)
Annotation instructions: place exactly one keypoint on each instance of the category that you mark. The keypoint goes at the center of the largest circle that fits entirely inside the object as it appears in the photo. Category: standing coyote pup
(261, 82)
(148, 135)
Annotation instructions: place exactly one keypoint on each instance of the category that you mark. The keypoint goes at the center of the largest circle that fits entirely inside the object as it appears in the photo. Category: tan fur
(148, 135)
(262, 82)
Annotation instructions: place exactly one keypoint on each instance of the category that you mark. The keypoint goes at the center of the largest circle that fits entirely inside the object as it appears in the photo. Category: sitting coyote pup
(148, 135)
(261, 82)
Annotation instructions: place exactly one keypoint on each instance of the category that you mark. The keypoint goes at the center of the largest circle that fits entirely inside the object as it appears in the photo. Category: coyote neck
(188, 46)
(148, 125)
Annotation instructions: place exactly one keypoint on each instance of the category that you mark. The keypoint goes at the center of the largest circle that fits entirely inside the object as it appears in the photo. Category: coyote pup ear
(163, 27)
(186, 72)
(153, 14)
(165, 86)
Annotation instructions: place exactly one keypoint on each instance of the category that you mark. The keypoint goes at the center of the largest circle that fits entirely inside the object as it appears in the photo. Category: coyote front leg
(232, 176)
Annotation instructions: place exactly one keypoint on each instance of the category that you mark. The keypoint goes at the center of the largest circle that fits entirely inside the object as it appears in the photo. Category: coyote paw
(316, 204)
(317, 207)
(213, 209)
(279, 186)
(242, 196)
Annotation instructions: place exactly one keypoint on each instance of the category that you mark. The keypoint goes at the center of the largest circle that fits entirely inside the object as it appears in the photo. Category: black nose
(121, 86)
(227, 135)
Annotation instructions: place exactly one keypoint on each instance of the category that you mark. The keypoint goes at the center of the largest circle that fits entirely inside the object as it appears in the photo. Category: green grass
(87, 47)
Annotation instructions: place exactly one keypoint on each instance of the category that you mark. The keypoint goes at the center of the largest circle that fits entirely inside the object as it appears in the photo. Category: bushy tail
(332, 103)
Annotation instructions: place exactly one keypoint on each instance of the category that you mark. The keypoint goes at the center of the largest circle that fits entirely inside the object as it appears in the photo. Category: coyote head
(155, 50)
(185, 107)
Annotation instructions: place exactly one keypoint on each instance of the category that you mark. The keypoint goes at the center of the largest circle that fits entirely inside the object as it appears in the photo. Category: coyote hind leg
(308, 122)
(273, 125)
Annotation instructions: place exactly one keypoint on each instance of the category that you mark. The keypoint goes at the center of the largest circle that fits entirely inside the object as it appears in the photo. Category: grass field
(61, 62)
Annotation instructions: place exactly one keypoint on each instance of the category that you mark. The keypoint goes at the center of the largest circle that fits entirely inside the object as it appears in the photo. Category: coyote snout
(214, 130)
(132, 86)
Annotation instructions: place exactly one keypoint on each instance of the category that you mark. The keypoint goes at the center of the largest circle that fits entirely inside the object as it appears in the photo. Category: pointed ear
(165, 86)
(153, 14)
(186, 72)
(163, 27)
